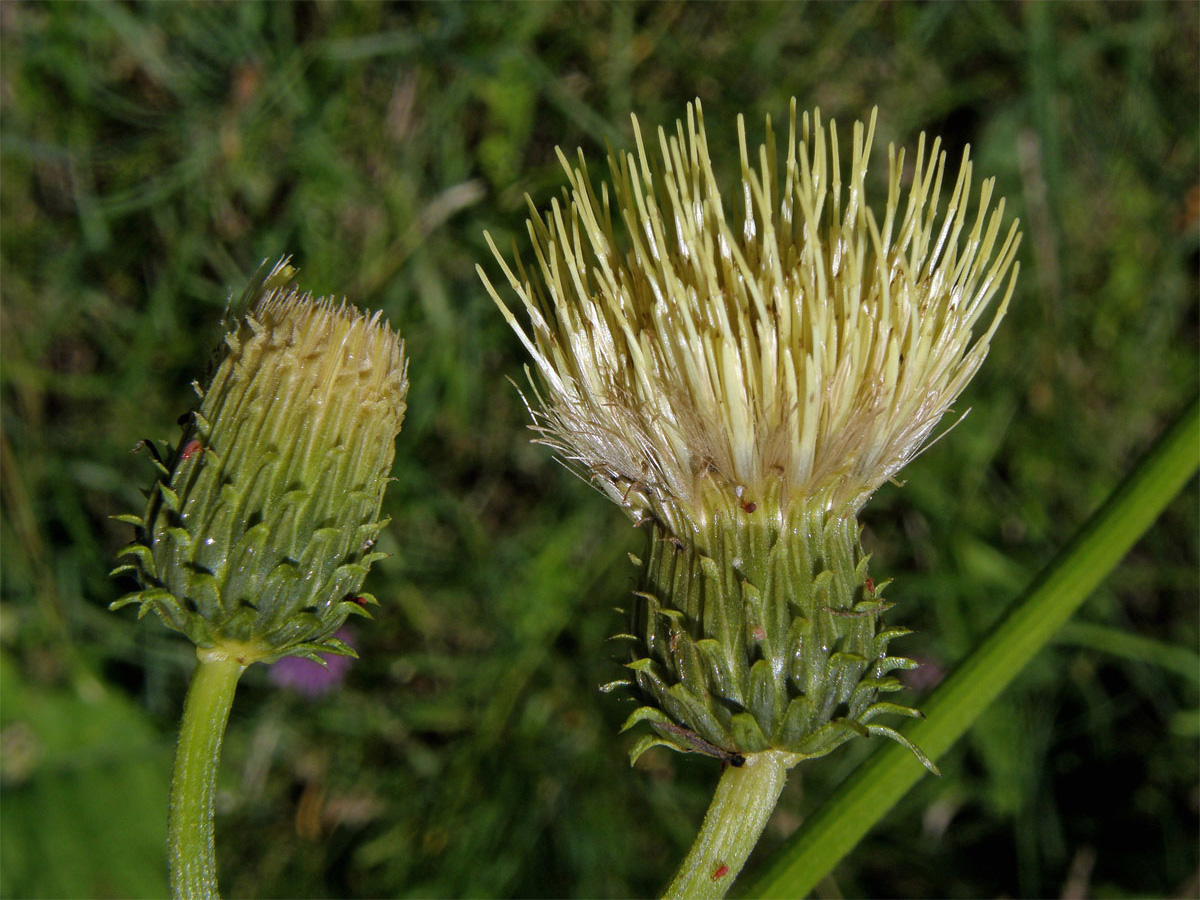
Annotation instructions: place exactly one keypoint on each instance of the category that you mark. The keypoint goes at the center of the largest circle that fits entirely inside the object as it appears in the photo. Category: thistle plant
(258, 531)
(740, 381)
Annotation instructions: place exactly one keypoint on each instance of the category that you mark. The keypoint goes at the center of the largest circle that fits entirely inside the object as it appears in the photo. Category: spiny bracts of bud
(805, 348)
(259, 529)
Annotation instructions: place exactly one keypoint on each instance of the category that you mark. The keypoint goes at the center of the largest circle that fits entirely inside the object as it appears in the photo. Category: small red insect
(191, 449)
(870, 584)
(361, 601)
(749, 506)
(720, 872)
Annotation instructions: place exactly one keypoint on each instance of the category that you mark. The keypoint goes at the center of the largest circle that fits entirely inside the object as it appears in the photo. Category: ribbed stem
(740, 808)
(192, 854)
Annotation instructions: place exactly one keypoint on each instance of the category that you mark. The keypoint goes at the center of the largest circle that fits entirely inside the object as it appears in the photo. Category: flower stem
(744, 800)
(192, 855)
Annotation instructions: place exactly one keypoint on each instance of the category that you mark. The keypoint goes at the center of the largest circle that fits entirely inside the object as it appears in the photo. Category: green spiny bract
(757, 634)
(258, 531)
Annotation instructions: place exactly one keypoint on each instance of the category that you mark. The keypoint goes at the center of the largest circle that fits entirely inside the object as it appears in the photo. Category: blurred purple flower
(928, 674)
(309, 679)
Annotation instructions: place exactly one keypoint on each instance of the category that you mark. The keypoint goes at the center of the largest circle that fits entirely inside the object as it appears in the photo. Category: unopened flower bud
(259, 528)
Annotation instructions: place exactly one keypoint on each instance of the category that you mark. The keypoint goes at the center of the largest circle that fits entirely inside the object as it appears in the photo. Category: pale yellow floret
(335, 337)
(804, 351)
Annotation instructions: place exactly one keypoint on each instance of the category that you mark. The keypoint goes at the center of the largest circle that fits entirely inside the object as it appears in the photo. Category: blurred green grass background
(152, 154)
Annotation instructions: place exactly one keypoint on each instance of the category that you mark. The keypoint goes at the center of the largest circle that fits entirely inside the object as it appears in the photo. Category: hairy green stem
(1032, 623)
(192, 854)
(744, 800)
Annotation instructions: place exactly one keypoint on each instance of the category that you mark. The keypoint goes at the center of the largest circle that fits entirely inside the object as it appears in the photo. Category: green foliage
(85, 785)
(152, 155)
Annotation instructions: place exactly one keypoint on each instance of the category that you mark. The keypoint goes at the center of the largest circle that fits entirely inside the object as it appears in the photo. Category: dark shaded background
(151, 154)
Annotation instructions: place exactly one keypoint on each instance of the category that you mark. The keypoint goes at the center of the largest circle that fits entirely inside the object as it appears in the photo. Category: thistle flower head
(698, 348)
(258, 531)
